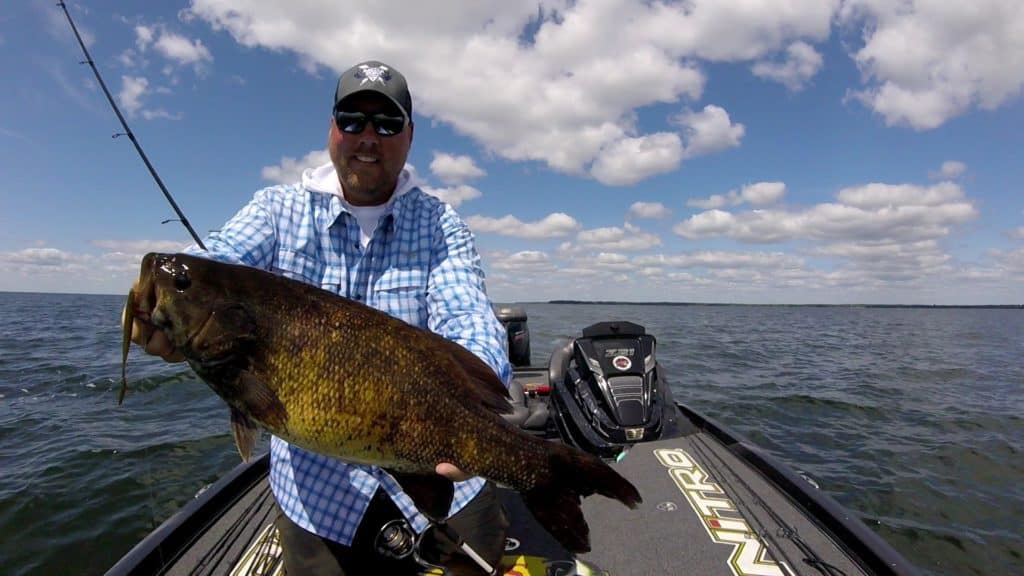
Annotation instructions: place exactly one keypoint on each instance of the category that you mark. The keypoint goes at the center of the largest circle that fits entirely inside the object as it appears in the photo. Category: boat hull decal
(719, 516)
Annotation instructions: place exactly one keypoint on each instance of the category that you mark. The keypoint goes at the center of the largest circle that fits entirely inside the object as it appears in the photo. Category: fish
(339, 378)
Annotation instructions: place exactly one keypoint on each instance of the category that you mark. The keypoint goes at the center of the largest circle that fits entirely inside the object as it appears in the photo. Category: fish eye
(182, 282)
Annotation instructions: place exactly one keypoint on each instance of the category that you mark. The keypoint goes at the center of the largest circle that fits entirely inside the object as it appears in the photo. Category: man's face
(367, 163)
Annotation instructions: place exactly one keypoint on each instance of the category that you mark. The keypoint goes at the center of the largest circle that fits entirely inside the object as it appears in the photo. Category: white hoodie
(324, 179)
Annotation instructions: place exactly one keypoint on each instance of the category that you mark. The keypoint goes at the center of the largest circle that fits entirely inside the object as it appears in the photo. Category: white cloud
(133, 89)
(454, 195)
(709, 131)
(723, 259)
(36, 258)
(758, 194)
(950, 170)
(551, 226)
(874, 212)
(48, 269)
(558, 82)
(289, 171)
(1018, 233)
(877, 196)
(181, 50)
(614, 262)
(801, 64)
(453, 170)
(178, 49)
(522, 262)
(931, 60)
(144, 36)
(628, 238)
(630, 160)
(653, 210)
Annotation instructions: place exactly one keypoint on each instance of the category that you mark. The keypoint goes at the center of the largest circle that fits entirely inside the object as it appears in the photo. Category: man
(360, 227)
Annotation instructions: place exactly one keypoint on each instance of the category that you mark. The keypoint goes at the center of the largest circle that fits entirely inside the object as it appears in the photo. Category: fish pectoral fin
(245, 432)
(261, 401)
(431, 493)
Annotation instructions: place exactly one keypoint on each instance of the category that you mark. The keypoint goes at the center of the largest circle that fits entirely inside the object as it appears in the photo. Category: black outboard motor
(514, 319)
(606, 392)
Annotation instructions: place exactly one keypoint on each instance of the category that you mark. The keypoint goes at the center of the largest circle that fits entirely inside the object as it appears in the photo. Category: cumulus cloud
(875, 211)
(522, 262)
(181, 50)
(454, 195)
(891, 261)
(551, 226)
(133, 89)
(524, 79)
(613, 262)
(628, 238)
(176, 48)
(1018, 233)
(723, 259)
(709, 131)
(654, 210)
(950, 170)
(51, 269)
(37, 258)
(630, 160)
(289, 171)
(802, 62)
(758, 194)
(453, 170)
(931, 60)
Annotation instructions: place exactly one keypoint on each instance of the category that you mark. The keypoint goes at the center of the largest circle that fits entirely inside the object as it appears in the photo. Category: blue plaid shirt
(421, 265)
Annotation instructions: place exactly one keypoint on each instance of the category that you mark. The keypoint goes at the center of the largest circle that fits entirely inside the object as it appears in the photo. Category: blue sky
(858, 151)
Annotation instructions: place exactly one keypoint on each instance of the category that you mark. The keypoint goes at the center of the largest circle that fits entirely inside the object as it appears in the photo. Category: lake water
(913, 418)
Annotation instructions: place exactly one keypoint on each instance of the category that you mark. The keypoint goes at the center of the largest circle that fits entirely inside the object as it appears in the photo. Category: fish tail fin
(574, 475)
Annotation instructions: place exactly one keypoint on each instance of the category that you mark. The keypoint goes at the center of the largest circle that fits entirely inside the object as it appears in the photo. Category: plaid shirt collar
(315, 182)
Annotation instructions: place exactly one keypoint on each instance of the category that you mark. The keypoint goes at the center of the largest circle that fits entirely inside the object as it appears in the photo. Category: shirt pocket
(299, 266)
(402, 293)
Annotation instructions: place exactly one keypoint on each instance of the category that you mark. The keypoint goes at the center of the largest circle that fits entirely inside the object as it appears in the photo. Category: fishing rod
(128, 131)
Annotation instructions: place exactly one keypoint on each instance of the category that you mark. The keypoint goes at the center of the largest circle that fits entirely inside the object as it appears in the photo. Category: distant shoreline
(665, 303)
(626, 303)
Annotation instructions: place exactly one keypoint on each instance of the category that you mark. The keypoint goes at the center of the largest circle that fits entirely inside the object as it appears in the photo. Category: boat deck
(712, 504)
(705, 511)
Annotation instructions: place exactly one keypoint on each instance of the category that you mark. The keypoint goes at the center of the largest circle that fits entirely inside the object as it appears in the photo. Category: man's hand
(152, 341)
(450, 472)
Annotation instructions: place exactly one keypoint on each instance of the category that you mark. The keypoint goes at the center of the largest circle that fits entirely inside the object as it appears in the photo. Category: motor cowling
(606, 388)
(514, 320)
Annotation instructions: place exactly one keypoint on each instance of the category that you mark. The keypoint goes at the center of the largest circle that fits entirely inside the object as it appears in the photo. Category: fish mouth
(191, 337)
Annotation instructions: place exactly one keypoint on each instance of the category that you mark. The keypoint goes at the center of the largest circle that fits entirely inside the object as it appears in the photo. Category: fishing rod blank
(128, 131)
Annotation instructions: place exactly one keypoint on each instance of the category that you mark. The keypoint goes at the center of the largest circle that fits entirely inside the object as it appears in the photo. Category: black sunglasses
(355, 122)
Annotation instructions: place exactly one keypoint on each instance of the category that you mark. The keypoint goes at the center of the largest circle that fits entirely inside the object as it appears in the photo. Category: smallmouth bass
(339, 378)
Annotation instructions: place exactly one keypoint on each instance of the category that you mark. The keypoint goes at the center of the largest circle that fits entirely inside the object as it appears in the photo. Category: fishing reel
(396, 539)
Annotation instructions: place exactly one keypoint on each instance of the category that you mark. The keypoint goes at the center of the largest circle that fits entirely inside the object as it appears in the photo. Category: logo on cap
(373, 74)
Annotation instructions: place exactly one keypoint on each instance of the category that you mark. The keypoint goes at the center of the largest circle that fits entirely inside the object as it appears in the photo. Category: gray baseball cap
(374, 76)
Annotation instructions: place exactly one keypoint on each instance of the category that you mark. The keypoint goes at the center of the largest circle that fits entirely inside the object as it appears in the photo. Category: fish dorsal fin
(487, 387)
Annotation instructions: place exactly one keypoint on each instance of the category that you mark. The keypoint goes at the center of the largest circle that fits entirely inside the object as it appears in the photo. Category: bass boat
(713, 502)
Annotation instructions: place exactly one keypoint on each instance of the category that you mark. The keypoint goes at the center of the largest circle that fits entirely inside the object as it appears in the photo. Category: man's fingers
(450, 472)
